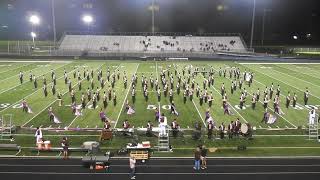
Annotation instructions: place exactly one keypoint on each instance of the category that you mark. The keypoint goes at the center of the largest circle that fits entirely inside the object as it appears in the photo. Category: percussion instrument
(244, 128)
(47, 145)
(106, 135)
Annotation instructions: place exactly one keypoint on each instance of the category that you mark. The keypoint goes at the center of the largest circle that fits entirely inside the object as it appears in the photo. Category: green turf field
(290, 77)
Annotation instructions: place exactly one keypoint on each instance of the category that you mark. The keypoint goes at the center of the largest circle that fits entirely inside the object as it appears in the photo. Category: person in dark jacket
(197, 158)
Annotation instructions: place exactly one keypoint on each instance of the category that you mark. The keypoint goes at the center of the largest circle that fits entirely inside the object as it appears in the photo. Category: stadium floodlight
(33, 35)
(308, 35)
(295, 37)
(88, 19)
(34, 20)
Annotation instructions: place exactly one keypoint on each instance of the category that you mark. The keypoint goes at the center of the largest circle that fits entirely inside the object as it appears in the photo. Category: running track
(164, 169)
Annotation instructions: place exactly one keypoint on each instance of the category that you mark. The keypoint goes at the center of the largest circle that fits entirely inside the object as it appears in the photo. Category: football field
(293, 78)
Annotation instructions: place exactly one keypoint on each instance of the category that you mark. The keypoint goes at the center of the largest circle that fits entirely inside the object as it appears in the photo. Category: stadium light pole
(53, 23)
(265, 11)
(33, 35)
(34, 20)
(87, 19)
(152, 11)
(252, 22)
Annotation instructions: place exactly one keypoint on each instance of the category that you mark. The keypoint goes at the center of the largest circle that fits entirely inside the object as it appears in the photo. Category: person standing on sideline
(65, 146)
(197, 157)
(204, 153)
(132, 162)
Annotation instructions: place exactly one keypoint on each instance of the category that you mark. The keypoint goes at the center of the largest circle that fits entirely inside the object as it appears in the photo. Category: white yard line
(296, 78)
(115, 125)
(205, 125)
(294, 69)
(55, 99)
(159, 105)
(17, 75)
(14, 68)
(90, 100)
(32, 93)
(26, 81)
(283, 82)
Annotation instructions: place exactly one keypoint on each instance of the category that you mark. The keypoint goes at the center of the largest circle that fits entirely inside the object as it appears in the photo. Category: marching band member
(59, 96)
(105, 100)
(102, 116)
(288, 100)
(157, 115)
(38, 135)
(306, 96)
(175, 128)
(210, 99)
(258, 94)
(237, 125)
(253, 101)
(294, 100)
(130, 110)
(226, 108)
(222, 89)
(230, 130)
(171, 95)
(265, 102)
(210, 129)
(25, 107)
(278, 90)
(241, 101)
(126, 125)
(149, 129)
(114, 96)
(221, 130)
(21, 77)
(173, 109)
(133, 94)
(271, 91)
(107, 125)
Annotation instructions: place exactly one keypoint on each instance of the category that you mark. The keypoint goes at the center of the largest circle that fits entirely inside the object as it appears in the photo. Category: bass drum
(244, 129)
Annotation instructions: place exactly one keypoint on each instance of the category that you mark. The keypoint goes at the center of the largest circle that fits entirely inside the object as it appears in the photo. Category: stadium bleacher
(152, 44)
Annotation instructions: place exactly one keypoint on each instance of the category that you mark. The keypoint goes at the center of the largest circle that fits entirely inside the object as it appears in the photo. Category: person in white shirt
(132, 162)
(312, 116)
(38, 135)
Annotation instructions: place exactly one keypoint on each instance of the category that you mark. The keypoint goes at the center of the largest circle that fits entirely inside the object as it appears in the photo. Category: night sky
(284, 18)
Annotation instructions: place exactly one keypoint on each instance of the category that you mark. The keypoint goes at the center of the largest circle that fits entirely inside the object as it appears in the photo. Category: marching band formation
(170, 83)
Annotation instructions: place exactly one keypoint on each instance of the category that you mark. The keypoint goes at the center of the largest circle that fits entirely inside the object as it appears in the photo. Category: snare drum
(244, 128)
